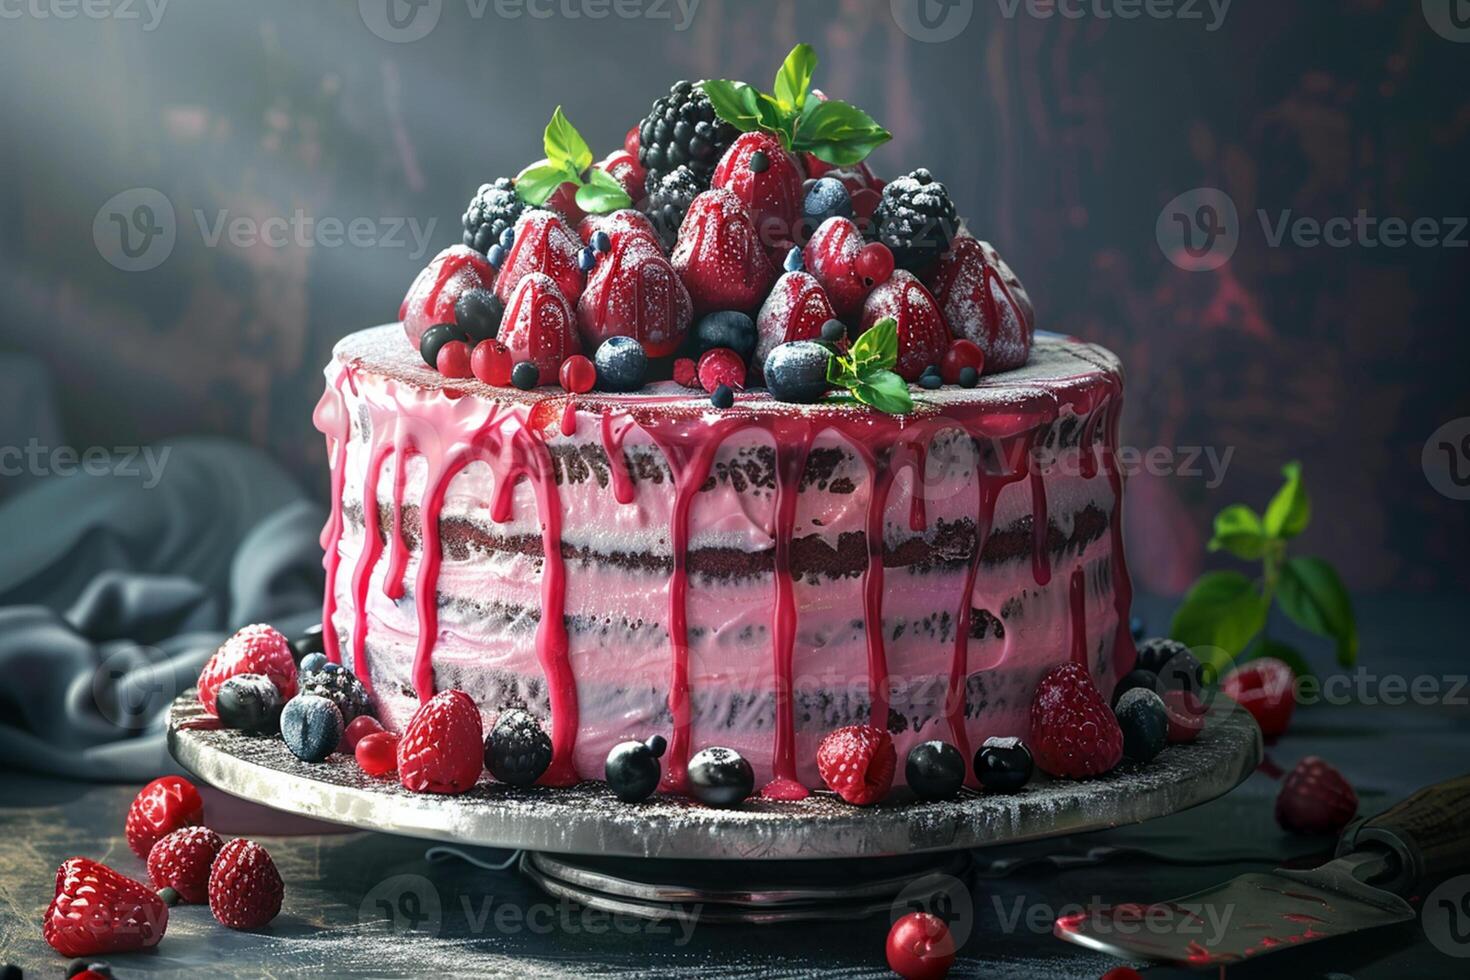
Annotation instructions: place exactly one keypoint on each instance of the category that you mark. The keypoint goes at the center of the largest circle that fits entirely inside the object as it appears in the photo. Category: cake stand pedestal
(764, 862)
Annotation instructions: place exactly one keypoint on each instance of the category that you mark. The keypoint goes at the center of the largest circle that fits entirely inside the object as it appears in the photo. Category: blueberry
(478, 313)
(1138, 628)
(1154, 653)
(930, 369)
(507, 238)
(250, 703)
(969, 377)
(759, 162)
(587, 259)
(931, 381)
(797, 371)
(601, 241)
(621, 364)
(826, 197)
(1145, 723)
(517, 750)
(795, 262)
(434, 338)
(1145, 679)
(722, 397)
(525, 375)
(834, 331)
(632, 770)
(311, 726)
(313, 662)
(934, 770)
(725, 328)
(496, 256)
(720, 777)
(1003, 765)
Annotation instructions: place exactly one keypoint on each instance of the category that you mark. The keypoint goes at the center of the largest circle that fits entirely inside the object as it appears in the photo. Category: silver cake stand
(764, 862)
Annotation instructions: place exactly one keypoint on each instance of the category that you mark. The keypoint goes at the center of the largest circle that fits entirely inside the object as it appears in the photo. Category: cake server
(1379, 861)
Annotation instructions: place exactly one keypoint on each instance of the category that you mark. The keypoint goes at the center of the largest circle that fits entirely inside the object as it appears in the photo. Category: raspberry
(1267, 689)
(1315, 799)
(160, 808)
(245, 889)
(442, 750)
(857, 763)
(685, 373)
(96, 910)
(258, 649)
(721, 366)
(1073, 732)
(181, 861)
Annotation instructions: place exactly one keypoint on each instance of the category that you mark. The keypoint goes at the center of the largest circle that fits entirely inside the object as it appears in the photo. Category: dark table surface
(483, 923)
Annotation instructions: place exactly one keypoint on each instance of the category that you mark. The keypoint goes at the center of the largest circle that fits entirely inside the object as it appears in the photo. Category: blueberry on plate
(622, 364)
(725, 328)
(249, 703)
(1145, 679)
(1145, 723)
(632, 769)
(311, 727)
(1003, 765)
(796, 371)
(525, 375)
(934, 770)
(517, 751)
(720, 777)
(478, 312)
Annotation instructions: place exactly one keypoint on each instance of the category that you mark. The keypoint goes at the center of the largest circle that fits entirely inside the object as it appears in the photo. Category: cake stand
(764, 862)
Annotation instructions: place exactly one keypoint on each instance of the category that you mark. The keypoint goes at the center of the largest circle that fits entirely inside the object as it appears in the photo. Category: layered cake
(759, 449)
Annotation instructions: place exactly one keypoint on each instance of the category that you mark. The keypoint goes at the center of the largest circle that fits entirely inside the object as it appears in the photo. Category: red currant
(377, 754)
(491, 363)
(920, 947)
(721, 366)
(578, 375)
(874, 263)
(961, 354)
(454, 359)
(360, 728)
(1122, 973)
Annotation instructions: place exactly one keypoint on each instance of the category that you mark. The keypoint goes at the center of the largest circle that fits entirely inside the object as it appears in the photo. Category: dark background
(1061, 138)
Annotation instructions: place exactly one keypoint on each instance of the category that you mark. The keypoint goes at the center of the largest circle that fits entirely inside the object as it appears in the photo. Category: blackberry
(494, 209)
(682, 130)
(337, 684)
(916, 220)
(668, 202)
(517, 751)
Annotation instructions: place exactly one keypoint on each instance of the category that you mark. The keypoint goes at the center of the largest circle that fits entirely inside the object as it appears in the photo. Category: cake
(748, 556)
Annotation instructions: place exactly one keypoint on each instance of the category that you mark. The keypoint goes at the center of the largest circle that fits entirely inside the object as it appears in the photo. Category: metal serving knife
(1378, 861)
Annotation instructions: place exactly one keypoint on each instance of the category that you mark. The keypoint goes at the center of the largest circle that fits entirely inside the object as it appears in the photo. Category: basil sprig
(866, 370)
(568, 158)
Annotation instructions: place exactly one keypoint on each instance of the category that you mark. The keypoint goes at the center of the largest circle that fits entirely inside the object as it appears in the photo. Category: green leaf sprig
(568, 159)
(866, 370)
(1227, 610)
(831, 130)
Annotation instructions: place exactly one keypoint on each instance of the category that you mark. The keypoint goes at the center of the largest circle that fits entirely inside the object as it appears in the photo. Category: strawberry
(435, 290)
(634, 292)
(1266, 687)
(857, 763)
(257, 649)
(769, 185)
(96, 910)
(160, 808)
(1315, 799)
(922, 335)
(831, 256)
(982, 300)
(719, 256)
(617, 224)
(795, 310)
(1073, 731)
(624, 167)
(563, 200)
(721, 366)
(546, 244)
(443, 747)
(181, 861)
(539, 326)
(245, 889)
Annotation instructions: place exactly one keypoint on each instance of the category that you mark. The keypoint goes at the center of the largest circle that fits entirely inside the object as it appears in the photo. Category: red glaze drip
(793, 446)
(617, 463)
(873, 592)
(1077, 589)
(1040, 526)
(331, 419)
(393, 579)
(372, 547)
(569, 418)
(918, 517)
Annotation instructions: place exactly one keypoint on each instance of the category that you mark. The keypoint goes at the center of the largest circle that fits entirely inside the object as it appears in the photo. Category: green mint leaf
(1312, 594)
(602, 193)
(841, 371)
(564, 145)
(777, 119)
(838, 133)
(735, 102)
(885, 391)
(876, 349)
(537, 184)
(1238, 530)
(795, 77)
(1265, 647)
(1223, 609)
(1291, 509)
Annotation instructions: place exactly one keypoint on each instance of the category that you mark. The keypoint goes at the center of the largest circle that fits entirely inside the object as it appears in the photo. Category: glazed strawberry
(633, 291)
(1073, 731)
(1315, 799)
(544, 243)
(857, 763)
(245, 889)
(721, 366)
(96, 910)
(434, 292)
(257, 649)
(795, 310)
(563, 200)
(616, 224)
(982, 300)
(160, 808)
(539, 326)
(624, 167)
(767, 179)
(720, 257)
(831, 256)
(443, 747)
(1266, 687)
(182, 860)
(922, 336)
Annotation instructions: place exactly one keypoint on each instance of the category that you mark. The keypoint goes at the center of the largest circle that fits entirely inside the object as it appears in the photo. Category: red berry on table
(432, 298)
(797, 309)
(874, 263)
(1315, 799)
(257, 649)
(96, 910)
(1073, 731)
(377, 754)
(857, 763)
(443, 747)
(245, 889)
(578, 374)
(721, 366)
(633, 291)
(539, 327)
(542, 243)
(492, 363)
(719, 255)
(454, 359)
(686, 372)
(920, 947)
(1266, 687)
(922, 336)
(982, 300)
(358, 729)
(160, 808)
(182, 860)
(961, 354)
